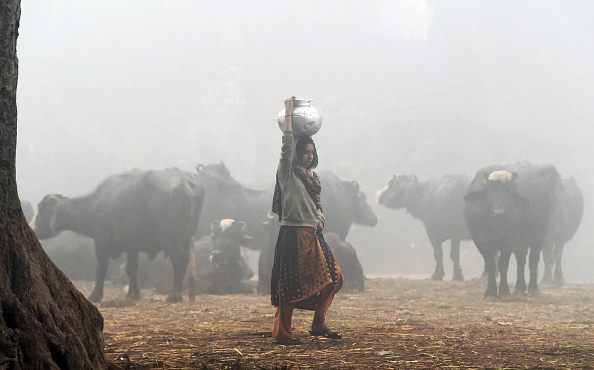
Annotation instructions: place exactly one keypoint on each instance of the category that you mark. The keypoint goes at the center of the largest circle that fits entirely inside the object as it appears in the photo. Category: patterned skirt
(303, 266)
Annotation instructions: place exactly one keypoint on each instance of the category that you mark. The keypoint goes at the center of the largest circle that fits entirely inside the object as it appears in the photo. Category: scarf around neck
(310, 180)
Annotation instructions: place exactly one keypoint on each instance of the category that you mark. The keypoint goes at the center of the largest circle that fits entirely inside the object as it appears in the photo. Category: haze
(413, 87)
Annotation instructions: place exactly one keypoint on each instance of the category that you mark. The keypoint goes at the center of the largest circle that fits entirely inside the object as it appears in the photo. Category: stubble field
(395, 323)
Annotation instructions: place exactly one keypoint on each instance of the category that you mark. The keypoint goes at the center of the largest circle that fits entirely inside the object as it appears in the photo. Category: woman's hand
(320, 227)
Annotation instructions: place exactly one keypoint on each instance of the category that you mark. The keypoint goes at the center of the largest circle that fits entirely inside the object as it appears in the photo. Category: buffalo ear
(355, 185)
(473, 196)
(200, 168)
(414, 178)
(242, 225)
(484, 175)
(215, 226)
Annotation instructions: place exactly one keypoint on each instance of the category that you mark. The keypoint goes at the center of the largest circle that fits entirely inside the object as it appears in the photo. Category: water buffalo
(218, 257)
(343, 203)
(439, 204)
(346, 256)
(227, 198)
(566, 218)
(131, 212)
(508, 209)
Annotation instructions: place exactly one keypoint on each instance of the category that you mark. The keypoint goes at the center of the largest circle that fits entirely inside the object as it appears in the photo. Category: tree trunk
(45, 323)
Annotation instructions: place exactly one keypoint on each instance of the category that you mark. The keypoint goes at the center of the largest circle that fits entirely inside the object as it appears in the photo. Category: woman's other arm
(288, 148)
(288, 125)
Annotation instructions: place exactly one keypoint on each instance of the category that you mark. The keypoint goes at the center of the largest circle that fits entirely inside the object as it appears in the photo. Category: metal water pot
(307, 119)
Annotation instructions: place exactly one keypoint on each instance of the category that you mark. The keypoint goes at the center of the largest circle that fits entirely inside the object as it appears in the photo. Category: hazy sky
(424, 87)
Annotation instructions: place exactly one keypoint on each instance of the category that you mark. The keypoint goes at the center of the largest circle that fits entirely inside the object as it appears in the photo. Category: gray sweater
(299, 209)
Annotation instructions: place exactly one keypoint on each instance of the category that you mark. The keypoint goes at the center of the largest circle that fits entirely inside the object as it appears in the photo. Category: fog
(413, 87)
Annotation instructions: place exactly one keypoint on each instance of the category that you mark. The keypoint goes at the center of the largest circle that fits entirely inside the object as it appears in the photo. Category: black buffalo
(566, 218)
(346, 256)
(226, 198)
(136, 211)
(343, 203)
(508, 209)
(219, 262)
(439, 204)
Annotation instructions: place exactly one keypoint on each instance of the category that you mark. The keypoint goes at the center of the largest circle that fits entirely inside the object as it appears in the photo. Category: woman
(305, 274)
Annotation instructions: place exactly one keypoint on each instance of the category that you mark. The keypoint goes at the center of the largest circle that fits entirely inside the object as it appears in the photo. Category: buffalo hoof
(489, 296)
(547, 279)
(436, 277)
(96, 297)
(558, 281)
(134, 296)
(458, 277)
(174, 298)
(504, 293)
(533, 293)
(519, 293)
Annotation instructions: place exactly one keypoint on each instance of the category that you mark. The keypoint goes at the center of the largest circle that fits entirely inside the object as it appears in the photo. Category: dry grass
(396, 323)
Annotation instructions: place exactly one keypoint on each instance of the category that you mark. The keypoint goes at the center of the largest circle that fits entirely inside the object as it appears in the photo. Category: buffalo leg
(102, 262)
(132, 271)
(192, 274)
(180, 264)
(558, 276)
(520, 280)
(503, 265)
(455, 257)
(438, 255)
(490, 266)
(533, 266)
(484, 274)
(265, 262)
(547, 257)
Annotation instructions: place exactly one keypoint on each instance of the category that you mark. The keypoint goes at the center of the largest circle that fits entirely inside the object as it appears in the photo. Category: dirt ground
(395, 323)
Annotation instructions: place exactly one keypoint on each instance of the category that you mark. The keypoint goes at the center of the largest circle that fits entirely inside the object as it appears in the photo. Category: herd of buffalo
(202, 220)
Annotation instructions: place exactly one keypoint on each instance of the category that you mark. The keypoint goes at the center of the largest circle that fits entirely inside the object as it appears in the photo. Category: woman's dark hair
(300, 149)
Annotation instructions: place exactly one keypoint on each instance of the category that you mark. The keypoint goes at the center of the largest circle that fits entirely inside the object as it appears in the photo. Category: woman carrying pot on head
(305, 274)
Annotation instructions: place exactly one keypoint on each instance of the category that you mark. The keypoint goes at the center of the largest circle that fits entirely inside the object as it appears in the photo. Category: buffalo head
(394, 194)
(45, 220)
(228, 235)
(363, 214)
(498, 191)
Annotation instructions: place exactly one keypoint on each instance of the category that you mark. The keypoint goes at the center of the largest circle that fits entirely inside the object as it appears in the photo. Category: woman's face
(307, 156)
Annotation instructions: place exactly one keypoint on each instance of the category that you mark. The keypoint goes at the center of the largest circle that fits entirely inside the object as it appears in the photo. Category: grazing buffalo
(439, 204)
(508, 209)
(136, 211)
(566, 218)
(218, 257)
(343, 204)
(346, 256)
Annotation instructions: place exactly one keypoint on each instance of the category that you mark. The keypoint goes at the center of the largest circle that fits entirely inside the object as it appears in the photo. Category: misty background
(413, 87)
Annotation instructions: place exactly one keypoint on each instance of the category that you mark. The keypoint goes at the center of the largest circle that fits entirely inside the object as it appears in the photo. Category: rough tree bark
(45, 323)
